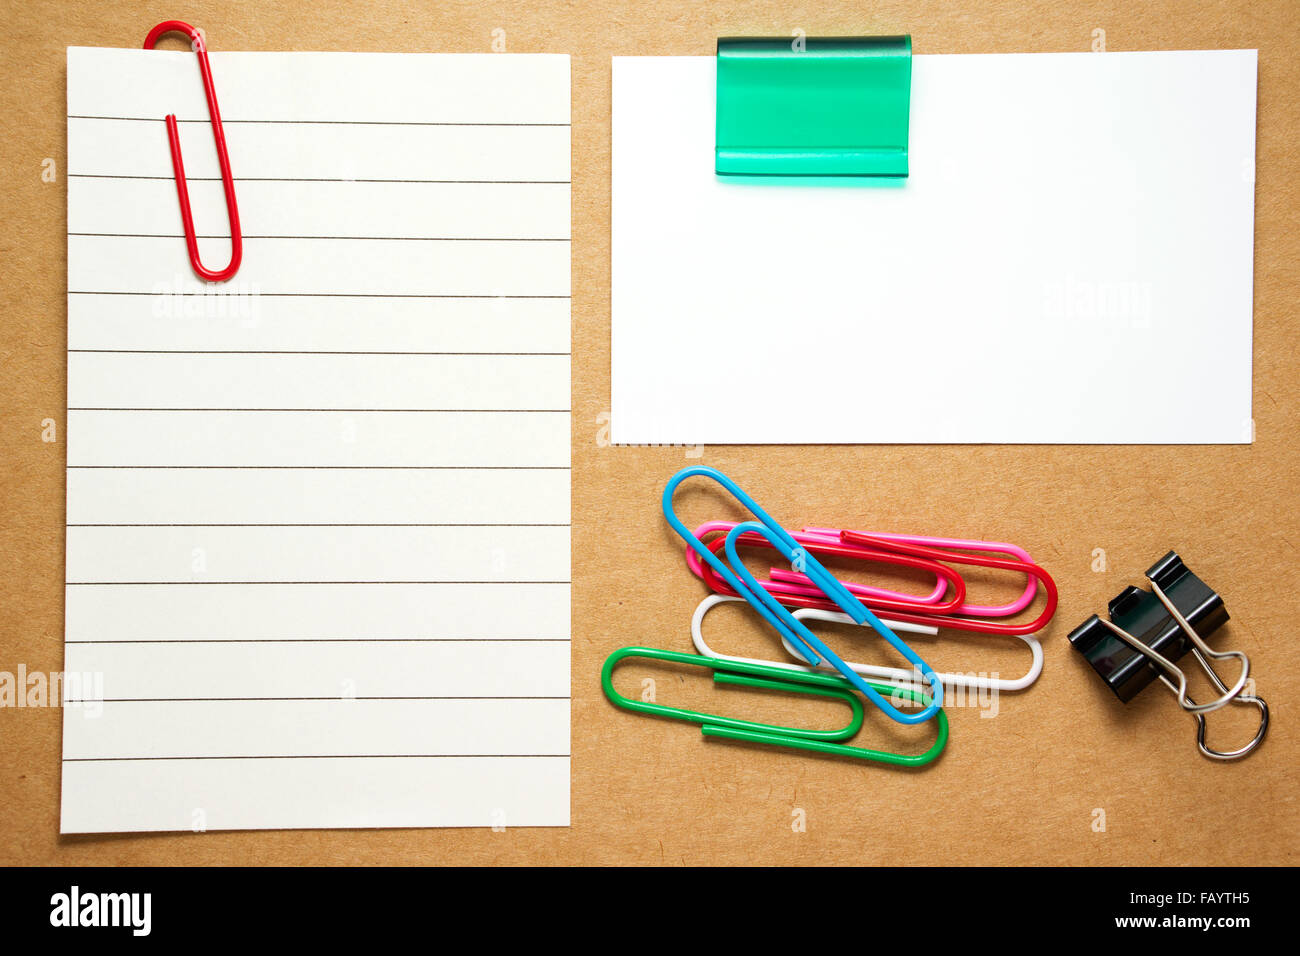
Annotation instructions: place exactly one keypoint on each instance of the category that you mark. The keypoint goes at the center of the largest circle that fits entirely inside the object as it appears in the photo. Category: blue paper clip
(805, 641)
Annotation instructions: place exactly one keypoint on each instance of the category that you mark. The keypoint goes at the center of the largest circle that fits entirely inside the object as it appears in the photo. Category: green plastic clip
(813, 107)
(766, 677)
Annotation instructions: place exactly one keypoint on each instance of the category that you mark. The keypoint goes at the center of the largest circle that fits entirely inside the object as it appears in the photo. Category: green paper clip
(813, 107)
(764, 677)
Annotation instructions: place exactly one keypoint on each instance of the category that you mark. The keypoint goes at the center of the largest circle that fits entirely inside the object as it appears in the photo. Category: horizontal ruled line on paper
(225, 120)
(229, 700)
(320, 524)
(385, 411)
(563, 756)
(246, 237)
(341, 640)
(330, 179)
(73, 584)
(337, 467)
(328, 295)
(295, 352)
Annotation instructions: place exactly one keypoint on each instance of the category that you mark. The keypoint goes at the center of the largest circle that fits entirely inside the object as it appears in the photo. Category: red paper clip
(218, 134)
(981, 625)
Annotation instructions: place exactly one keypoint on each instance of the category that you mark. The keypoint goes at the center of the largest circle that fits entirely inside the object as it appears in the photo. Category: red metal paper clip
(938, 609)
(980, 625)
(218, 134)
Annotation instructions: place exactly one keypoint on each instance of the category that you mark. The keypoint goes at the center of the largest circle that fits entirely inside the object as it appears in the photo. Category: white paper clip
(898, 675)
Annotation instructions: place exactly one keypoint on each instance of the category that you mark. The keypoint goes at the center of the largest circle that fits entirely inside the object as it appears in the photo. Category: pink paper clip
(939, 608)
(797, 590)
(959, 544)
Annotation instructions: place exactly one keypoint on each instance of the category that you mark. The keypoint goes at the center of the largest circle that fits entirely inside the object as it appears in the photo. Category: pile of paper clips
(788, 599)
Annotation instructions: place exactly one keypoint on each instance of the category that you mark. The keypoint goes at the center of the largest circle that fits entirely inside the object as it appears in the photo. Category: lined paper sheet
(318, 516)
(1070, 261)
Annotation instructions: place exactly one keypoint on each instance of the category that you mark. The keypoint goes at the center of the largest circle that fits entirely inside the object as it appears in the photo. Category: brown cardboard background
(1019, 789)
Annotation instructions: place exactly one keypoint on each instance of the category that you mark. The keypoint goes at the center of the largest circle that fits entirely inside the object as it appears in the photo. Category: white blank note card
(1070, 261)
(318, 516)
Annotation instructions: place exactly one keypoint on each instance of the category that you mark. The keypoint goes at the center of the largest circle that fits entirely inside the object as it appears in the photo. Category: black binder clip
(1149, 630)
